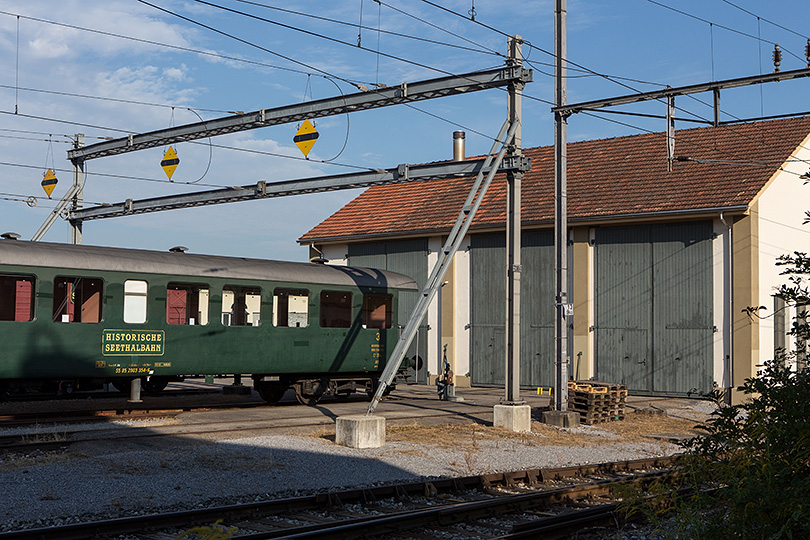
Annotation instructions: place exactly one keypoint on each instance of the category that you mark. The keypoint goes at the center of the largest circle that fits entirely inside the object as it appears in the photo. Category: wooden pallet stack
(597, 402)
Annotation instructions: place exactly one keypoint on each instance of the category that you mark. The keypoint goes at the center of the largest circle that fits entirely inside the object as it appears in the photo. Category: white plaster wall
(433, 356)
(336, 254)
(722, 310)
(462, 306)
(592, 303)
(782, 209)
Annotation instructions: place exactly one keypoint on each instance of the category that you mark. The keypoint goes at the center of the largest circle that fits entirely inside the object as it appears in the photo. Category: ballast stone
(360, 431)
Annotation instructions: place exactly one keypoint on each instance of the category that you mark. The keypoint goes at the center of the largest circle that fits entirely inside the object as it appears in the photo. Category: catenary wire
(544, 101)
(734, 30)
(764, 19)
(437, 27)
(222, 146)
(296, 29)
(114, 100)
(480, 49)
(156, 43)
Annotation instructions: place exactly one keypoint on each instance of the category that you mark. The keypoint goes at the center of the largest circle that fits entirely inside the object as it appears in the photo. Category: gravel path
(115, 480)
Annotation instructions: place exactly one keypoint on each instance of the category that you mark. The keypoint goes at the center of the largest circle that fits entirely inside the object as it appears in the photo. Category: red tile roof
(607, 178)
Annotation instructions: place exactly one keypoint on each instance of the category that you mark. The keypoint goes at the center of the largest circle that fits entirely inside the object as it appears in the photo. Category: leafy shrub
(757, 456)
(751, 472)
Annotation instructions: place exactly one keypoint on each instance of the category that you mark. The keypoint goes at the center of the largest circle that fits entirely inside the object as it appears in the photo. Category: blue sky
(153, 70)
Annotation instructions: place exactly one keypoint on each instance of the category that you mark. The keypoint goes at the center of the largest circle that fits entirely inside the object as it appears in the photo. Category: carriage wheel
(271, 391)
(305, 399)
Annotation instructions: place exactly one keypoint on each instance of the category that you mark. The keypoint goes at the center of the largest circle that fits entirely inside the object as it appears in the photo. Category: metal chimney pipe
(458, 145)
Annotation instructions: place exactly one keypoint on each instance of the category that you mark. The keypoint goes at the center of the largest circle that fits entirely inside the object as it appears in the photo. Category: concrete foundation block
(513, 417)
(360, 431)
(562, 419)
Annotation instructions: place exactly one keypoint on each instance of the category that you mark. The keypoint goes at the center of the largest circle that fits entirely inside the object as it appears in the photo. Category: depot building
(662, 263)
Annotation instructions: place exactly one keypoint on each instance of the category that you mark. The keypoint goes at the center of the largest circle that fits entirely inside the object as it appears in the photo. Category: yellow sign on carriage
(132, 342)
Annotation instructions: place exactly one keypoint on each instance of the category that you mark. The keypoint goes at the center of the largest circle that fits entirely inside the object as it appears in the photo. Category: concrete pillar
(745, 329)
(513, 417)
(360, 431)
(582, 289)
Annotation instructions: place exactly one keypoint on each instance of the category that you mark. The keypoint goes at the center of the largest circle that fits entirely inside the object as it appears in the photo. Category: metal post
(454, 239)
(135, 391)
(560, 213)
(440, 369)
(513, 226)
(78, 197)
(716, 93)
(670, 132)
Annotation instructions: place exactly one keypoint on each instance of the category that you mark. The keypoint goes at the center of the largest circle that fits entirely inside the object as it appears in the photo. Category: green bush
(751, 472)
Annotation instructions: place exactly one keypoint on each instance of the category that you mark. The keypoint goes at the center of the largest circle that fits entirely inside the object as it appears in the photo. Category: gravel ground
(115, 480)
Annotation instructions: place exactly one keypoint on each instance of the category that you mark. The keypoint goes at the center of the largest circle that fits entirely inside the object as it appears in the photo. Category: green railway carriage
(84, 315)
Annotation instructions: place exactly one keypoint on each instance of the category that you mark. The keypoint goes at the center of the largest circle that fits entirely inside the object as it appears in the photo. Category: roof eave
(611, 219)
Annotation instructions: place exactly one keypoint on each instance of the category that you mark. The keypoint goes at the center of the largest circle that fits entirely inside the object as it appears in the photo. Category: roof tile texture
(622, 176)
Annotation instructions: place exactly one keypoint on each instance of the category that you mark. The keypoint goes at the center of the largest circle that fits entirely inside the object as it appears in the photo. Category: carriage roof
(136, 261)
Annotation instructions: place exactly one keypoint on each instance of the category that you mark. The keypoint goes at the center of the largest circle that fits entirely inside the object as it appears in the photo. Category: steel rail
(452, 513)
(277, 506)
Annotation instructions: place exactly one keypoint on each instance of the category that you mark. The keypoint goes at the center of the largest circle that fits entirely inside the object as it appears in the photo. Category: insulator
(777, 58)
(807, 52)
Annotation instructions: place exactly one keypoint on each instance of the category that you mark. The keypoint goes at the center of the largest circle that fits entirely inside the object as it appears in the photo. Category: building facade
(662, 263)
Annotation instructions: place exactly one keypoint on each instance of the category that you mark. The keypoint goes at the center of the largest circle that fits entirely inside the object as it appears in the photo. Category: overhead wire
(703, 146)
(21, 138)
(724, 27)
(437, 27)
(293, 28)
(108, 175)
(569, 63)
(590, 72)
(360, 26)
(766, 20)
(214, 145)
(112, 99)
(428, 67)
(323, 72)
(152, 42)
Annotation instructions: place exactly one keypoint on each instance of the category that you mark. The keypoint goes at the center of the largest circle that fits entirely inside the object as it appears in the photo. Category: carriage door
(407, 257)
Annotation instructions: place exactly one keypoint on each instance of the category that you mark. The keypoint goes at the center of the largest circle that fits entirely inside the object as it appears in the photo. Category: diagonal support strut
(454, 239)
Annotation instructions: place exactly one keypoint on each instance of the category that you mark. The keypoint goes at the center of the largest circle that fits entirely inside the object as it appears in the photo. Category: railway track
(100, 395)
(547, 503)
(45, 438)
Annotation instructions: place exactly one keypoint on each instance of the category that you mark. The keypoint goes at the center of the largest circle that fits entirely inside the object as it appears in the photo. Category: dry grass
(635, 427)
(640, 426)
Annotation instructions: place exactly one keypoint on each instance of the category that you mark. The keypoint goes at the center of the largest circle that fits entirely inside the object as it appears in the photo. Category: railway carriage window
(336, 309)
(187, 304)
(378, 310)
(77, 299)
(241, 306)
(135, 292)
(291, 307)
(17, 298)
